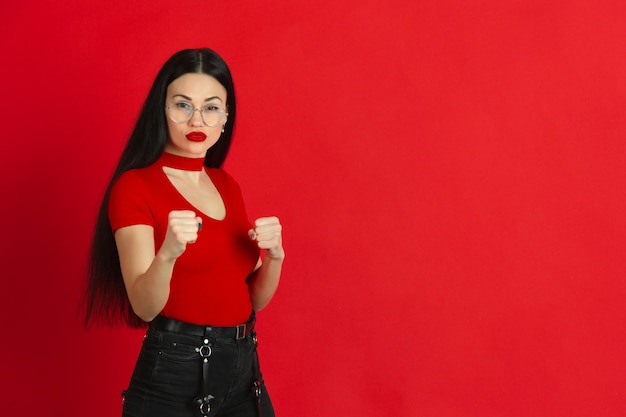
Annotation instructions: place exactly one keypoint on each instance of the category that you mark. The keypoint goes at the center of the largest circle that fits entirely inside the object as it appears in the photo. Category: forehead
(197, 87)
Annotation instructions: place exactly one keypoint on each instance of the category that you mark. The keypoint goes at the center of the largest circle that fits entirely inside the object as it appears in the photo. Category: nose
(196, 119)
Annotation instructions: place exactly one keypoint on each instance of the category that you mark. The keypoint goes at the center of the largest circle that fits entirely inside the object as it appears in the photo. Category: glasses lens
(212, 115)
(180, 112)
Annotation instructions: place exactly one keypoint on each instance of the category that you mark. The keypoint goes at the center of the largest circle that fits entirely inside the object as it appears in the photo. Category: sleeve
(129, 202)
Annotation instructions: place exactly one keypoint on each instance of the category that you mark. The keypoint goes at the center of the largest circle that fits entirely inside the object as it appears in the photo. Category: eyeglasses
(182, 112)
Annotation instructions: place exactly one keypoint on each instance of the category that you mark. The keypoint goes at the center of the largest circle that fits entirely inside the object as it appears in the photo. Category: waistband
(177, 326)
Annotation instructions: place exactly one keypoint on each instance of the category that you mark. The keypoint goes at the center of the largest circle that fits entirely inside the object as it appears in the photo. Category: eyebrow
(189, 98)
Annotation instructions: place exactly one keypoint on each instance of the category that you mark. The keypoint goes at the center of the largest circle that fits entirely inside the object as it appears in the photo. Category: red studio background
(450, 175)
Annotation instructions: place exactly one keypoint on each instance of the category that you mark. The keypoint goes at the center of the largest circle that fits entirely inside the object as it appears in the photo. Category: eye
(181, 105)
(213, 108)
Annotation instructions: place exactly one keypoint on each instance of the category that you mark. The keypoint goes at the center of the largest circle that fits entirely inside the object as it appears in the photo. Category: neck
(181, 162)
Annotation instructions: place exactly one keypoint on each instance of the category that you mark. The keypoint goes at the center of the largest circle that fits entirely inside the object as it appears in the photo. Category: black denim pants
(168, 377)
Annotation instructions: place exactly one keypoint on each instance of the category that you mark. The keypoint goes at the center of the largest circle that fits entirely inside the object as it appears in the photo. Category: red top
(209, 279)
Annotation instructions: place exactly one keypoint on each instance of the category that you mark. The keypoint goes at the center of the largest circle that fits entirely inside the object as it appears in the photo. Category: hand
(268, 234)
(182, 228)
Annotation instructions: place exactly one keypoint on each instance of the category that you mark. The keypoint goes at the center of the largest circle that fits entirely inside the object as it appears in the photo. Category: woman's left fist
(268, 234)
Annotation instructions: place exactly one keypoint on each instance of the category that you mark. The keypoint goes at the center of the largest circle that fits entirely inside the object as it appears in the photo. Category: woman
(173, 248)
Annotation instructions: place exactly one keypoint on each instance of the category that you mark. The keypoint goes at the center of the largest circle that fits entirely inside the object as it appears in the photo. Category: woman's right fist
(182, 228)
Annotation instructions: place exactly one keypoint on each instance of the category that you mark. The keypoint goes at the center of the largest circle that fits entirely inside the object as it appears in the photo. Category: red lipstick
(196, 136)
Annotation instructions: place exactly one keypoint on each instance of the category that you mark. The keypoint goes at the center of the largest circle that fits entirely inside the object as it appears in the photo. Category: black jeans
(168, 377)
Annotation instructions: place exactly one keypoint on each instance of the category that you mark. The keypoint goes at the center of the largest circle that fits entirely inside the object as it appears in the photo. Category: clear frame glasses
(181, 112)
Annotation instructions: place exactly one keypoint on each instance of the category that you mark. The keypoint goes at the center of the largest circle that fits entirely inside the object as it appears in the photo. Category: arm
(147, 275)
(263, 282)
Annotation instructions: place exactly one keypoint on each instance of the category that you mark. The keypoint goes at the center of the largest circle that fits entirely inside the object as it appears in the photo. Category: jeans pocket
(179, 352)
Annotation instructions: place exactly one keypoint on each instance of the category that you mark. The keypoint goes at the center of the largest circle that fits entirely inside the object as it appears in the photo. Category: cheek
(174, 131)
(214, 137)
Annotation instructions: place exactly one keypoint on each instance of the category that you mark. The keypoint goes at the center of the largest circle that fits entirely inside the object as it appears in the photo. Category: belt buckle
(241, 332)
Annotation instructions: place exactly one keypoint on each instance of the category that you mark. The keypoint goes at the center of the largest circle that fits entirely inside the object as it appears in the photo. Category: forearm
(147, 276)
(263, 283)
(150, 291)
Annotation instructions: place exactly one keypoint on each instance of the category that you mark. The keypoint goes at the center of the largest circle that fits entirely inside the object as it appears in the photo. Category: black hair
(106, 300)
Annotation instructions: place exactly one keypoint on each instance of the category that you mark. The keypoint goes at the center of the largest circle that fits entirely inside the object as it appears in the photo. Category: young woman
(173, 249)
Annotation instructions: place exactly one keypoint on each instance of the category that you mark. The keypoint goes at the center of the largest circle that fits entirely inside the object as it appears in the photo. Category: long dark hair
(106, 300)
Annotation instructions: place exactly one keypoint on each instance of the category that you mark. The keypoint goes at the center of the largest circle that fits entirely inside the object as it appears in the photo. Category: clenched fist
(267, 232)
(182, 228)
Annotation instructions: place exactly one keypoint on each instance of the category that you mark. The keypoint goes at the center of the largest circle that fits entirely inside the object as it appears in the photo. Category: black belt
(177, 326)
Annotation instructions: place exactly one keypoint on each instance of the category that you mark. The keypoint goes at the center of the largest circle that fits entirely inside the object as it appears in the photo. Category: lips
(196, 136)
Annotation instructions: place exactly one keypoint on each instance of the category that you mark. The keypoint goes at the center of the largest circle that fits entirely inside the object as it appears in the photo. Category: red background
(450, 175)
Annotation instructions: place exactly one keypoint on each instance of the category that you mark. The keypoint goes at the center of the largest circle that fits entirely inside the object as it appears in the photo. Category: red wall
(450, 175)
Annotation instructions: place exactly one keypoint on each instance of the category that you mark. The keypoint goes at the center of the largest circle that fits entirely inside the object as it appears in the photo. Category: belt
(177, 326)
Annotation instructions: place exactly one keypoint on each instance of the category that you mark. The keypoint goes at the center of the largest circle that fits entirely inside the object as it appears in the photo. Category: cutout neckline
(191, 164)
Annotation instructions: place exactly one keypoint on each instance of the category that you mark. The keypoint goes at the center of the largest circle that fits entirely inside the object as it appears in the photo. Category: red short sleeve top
(208, 283)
